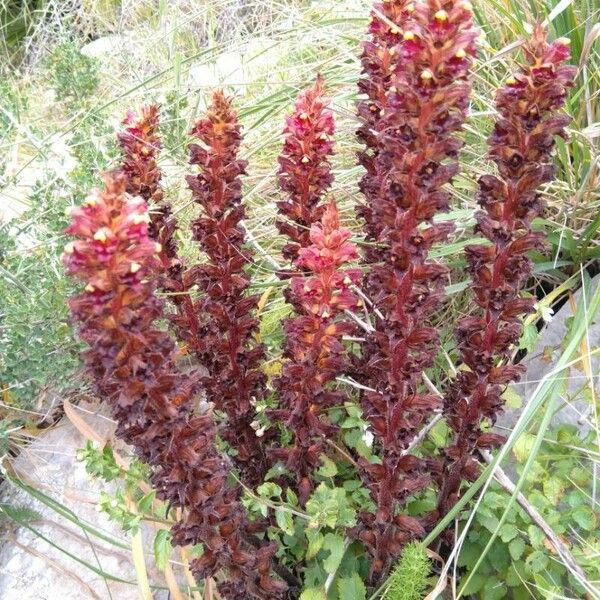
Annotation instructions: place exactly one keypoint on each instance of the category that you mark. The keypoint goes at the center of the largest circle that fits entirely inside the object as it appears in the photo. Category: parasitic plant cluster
(228, 351)
(304, 168)
(314, 346)
(521, 146)
(416, 147)
(133, 366)
(416, 88)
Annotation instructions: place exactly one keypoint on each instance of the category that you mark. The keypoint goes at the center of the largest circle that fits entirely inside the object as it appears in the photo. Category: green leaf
(468, 555)
(553, 489)
(162, 548)
(439, 434)
(313, 594)
(493, 589)
(512, 399)
(490, 522)
(284, 521)
(291, 497)
(328, 468)
(145, 503)
(475, 584)
(269, 490)
(523, 446)
(513, 578)
(335, 544)
(329, 507)
(537, 561)
(536, 535)
(354, 439)
(584, 517)
(516, 548)
(352, 588)
(315, 542)
(529, 337)
(508, 532)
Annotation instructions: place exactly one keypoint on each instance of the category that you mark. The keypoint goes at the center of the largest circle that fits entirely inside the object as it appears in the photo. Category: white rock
(103, 46)
(41, 571)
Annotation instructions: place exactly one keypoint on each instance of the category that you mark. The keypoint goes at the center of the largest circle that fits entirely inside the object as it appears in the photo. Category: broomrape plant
(415, 93)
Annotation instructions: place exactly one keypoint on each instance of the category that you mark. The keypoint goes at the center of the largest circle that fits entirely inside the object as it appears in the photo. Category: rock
(109, 44)
(574, 409)
(31, 568)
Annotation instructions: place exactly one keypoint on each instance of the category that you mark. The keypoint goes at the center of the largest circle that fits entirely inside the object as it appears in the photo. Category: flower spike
(140, 144)
(304, 167)
(521, 145)
(412, 149)
(313, 345)
(133, 367)
(235, 381)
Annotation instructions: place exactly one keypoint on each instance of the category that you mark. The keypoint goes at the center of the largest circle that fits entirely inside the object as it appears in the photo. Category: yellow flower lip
(441, 15)
(565, 41)
(305, 160)
(410, 8)
(90, 201)
(100, 235)
(466, 6)
(134, 267)
(460, 53)
(511, 81)
(426, 74)
(90, 288)
(408, 36)
(303, 116)
(69, 248)
(157, 248)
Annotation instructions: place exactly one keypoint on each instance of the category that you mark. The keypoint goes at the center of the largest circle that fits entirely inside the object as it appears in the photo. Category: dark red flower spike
(314, 346)
(227, 348)
(414, 156)
(521, 145)
(134, 369)
(140, 144)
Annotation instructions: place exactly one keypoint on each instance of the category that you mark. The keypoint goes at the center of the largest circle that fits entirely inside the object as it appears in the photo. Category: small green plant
(73, 76)
(408, 580)
(560, 488)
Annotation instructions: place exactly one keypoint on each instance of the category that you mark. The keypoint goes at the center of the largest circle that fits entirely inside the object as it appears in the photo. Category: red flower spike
(235, 380)
(521, 145)
(140, 144)
(411, 157)
(133, 366)
(379, 60)
(304, 168)
(314, 347)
